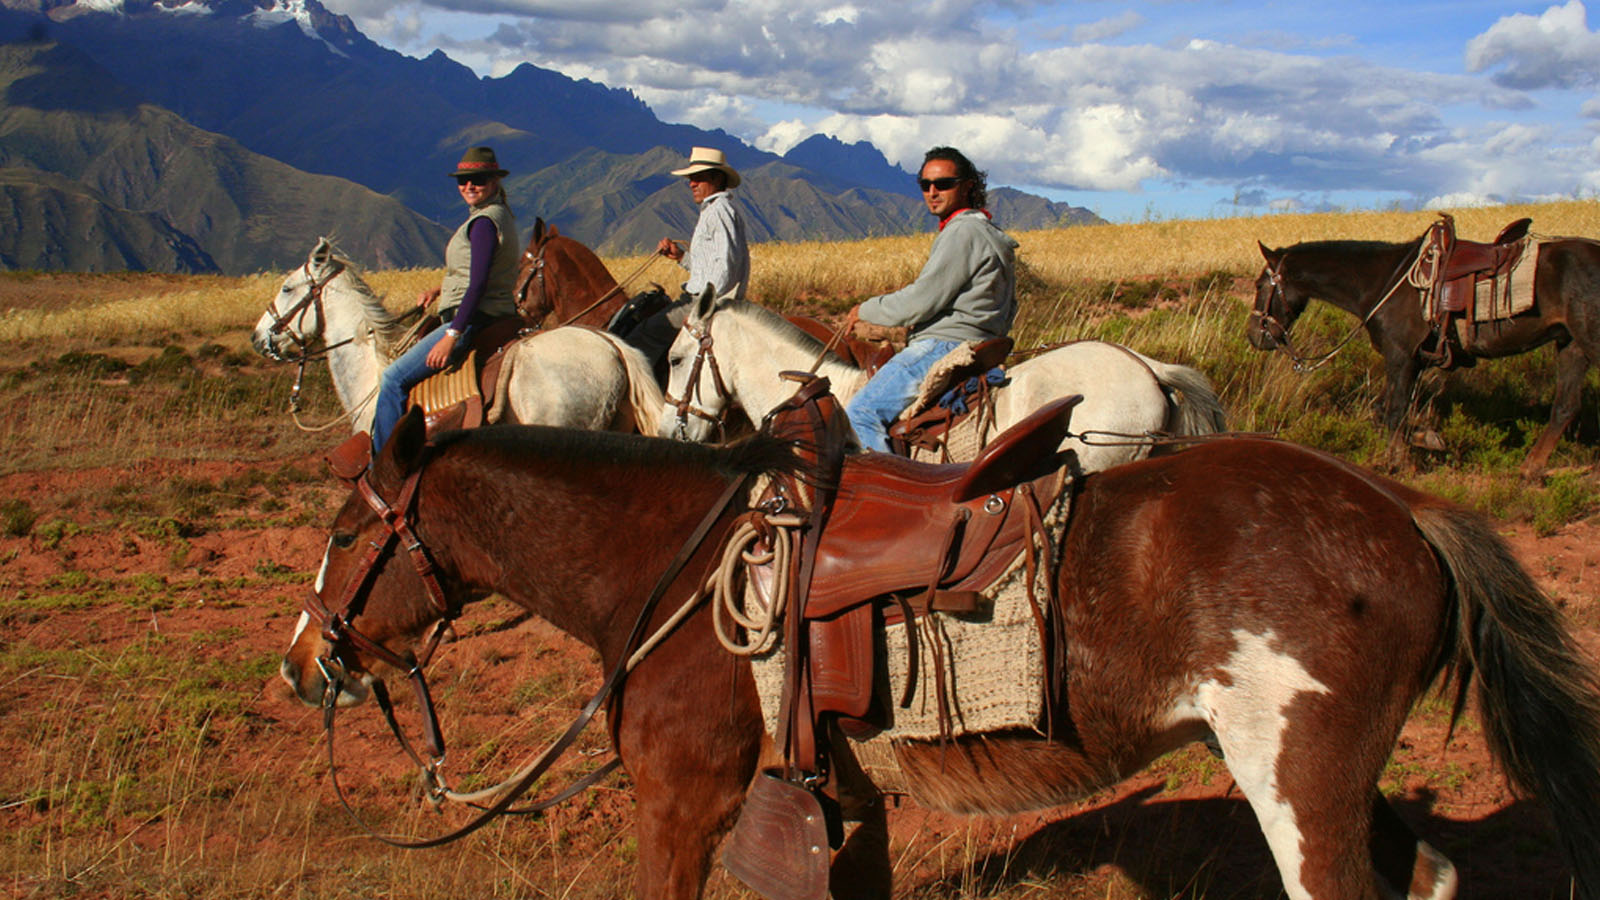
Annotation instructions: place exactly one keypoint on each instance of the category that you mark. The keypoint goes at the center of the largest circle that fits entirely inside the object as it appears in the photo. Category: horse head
(1278, 303)
(296, 314)
(378, 592)
(697, 399)
(559, 276)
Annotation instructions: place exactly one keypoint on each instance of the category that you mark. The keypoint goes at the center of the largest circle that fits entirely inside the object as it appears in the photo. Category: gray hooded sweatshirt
(965, 292)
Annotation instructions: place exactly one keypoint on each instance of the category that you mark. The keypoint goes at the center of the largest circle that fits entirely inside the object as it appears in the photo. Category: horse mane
(759, 454)
(1352, 246)
(387, 323)
(782, 329)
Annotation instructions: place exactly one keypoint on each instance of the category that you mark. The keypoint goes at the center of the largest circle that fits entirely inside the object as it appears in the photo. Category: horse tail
(1196, 409)
(644, 394)
(1540, 700)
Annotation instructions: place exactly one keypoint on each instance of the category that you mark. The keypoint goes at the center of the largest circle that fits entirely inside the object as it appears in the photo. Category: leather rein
(337, 626)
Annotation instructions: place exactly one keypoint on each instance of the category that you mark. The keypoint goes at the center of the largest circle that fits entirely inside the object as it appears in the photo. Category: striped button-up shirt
(718, 255)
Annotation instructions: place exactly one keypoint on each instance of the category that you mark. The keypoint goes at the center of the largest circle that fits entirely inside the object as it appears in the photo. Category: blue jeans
(880, 401)
(396, 381)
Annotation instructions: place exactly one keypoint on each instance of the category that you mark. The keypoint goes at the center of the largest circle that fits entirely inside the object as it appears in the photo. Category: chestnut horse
(1368, 280)
(1284, 602)
(562, 282)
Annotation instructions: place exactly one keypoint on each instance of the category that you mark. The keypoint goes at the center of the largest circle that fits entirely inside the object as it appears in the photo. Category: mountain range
(227, 135)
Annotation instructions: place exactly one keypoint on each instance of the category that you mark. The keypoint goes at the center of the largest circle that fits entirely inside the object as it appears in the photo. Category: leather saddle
(888, 539)
(1464, 263)
(899, 539)
(927, 428)
(1452, 271)
(457, 397)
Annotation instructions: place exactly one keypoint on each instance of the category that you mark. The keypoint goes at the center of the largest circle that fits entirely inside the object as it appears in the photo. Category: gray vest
(498, 293)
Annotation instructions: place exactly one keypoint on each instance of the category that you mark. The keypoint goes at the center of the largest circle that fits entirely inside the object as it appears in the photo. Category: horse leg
(1408, 865)
(1572, 364)
(861, 869)
(1402, 368)
(691, 751)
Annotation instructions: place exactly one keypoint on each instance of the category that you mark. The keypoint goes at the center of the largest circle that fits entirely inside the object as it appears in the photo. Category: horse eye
(344, 540)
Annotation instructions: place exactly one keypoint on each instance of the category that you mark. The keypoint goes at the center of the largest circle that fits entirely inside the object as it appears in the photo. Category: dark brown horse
(562, 282)
(1284, 602)
(1368, 280)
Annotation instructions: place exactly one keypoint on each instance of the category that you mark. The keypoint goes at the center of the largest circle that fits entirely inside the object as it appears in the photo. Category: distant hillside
(238, 84)
(99, 181)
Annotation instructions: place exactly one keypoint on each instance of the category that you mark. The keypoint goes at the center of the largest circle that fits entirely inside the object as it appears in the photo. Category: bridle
(685, 405)
(537, 313)
(1409, 271)
(312, 301)
(336, 627)
(336, 620)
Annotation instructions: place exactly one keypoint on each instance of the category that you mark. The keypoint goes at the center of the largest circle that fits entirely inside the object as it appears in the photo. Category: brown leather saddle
(1452, 270)
(889, 540)
(458, 396)
(928, 428)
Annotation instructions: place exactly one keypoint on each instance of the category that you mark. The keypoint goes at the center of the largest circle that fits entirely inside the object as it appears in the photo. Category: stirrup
(779, 846)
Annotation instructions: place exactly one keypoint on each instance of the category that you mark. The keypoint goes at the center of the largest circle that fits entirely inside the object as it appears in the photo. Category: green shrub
(17, 517)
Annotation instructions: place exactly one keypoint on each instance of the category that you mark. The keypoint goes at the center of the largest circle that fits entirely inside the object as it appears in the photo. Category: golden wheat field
(161, 518)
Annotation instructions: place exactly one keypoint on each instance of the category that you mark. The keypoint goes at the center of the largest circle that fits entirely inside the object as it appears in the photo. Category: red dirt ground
(1158, 828)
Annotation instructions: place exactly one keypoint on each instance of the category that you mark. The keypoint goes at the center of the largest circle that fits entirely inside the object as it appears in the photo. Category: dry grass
(140, 772)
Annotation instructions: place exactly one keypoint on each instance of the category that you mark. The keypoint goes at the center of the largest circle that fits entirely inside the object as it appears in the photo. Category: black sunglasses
(943, 184)
(475, 180)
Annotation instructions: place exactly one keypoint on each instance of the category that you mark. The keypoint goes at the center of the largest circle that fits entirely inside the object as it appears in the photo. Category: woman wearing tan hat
(480, 277)
(718, 256)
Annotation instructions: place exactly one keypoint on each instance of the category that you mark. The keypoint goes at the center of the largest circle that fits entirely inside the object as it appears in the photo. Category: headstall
(685, 405)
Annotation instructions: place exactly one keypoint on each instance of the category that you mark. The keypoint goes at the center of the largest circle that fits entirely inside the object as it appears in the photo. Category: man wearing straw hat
(717, 257)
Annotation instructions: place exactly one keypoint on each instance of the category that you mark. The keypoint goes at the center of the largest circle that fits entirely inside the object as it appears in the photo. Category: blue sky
(1138, 110)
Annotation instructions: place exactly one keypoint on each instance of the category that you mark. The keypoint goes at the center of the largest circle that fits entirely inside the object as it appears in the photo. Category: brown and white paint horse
(1287, 603)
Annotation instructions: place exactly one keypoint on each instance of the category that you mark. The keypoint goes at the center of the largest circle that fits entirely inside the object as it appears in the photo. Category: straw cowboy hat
(479, 161)
(705, 159)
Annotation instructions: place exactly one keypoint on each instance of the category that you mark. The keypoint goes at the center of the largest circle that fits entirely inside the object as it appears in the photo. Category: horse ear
(705, 304)
(403, 452)
(409, 438)
(1267, 254)
(319, 253)
(538, 229)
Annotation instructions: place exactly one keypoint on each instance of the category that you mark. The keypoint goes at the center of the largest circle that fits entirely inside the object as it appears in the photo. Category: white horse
(733, 351)
(572, 377)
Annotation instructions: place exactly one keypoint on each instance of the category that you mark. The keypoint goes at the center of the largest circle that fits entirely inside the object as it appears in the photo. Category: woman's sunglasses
(943, 184)
(475, 180)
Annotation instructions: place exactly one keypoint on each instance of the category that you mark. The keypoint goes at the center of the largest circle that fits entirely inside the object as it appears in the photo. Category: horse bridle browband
(701, 332)
(336, 626)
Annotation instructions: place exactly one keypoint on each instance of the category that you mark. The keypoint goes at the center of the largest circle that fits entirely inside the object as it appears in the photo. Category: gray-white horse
(733, 351)
(571, 377)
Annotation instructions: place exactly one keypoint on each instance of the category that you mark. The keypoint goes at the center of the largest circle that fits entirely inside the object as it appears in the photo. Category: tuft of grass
(17, 517)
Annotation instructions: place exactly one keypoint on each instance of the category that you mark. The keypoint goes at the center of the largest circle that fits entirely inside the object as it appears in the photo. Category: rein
(1407, 272)
(336, 626)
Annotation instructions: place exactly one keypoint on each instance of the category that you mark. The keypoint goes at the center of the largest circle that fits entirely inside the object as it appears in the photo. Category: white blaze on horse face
(1248, 710)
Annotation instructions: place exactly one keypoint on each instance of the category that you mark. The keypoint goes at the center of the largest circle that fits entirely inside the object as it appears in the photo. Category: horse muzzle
(325, 682)
(1264, 332)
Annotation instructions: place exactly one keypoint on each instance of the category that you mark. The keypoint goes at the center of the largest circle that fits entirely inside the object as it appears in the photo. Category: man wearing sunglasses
(718, 257)
(965, 293)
